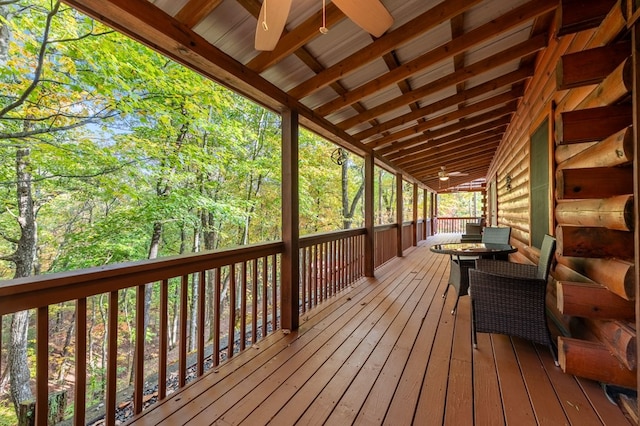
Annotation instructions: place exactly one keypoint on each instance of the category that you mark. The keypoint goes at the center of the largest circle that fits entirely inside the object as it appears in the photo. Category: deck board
(387, 351)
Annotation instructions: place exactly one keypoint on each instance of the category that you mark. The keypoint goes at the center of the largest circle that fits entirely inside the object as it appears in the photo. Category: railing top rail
(379, 228)
(325, 237)
(42, 290)
(458, 217)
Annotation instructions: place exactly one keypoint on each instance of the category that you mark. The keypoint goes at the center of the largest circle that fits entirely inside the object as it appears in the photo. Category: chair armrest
(511, 269)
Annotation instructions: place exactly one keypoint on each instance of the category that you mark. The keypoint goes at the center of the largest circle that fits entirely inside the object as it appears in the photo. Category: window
(539, 183)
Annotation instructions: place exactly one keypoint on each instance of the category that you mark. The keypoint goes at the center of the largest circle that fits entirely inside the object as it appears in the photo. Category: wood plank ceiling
(438, 89)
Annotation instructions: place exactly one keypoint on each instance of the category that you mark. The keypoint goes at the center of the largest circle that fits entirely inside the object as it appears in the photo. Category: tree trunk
(154, 248)
(24, 258)
(193, 324)
(5, 35)
(346, 218)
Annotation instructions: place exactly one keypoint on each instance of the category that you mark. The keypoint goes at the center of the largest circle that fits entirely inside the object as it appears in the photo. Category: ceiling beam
(510, 54)
(460, 143)
(194, 11)
(463, 128)
(460, 44)
(477, 107)
(149, 25)
(296, 38)
(462, 133)
(472, 152)
(480, 159)
(412, 29)
(466, 95)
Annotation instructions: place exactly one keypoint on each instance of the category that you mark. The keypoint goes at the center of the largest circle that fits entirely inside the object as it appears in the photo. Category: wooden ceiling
(438, 89)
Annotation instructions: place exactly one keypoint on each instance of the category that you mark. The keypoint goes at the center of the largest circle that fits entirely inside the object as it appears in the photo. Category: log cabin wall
(583, 87)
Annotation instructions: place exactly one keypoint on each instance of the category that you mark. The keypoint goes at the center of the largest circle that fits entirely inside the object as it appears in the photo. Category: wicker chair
(459, 265)
(497, 235)
(509, 298)
(473, 233)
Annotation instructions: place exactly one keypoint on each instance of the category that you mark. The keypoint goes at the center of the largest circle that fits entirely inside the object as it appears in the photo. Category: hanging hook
(323, 29)
(264, 19)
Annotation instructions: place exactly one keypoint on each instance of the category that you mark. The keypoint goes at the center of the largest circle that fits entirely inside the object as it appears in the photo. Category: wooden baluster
(303, 278)
(163, 339)
(243, 306)
(182, 352)
(138, 369)
(79, 395)
(274, 292)
(112, 358)
(216, 316)
(201, 318)
(265, 296)
(254, 301)
(42, 365)
(232, 310)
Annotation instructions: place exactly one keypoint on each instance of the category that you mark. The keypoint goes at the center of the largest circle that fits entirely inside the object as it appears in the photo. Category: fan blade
(370, 15)
(458, 174)
(268, 30)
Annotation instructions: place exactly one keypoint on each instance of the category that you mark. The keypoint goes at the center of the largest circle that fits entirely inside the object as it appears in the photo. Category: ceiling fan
(370, 15)
(443, 175)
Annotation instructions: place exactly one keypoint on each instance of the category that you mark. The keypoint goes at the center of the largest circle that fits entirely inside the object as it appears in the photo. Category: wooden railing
(328, 263)
(407, 235)
(248, 276)
(454, 224)
(421, 230)
(386, 242)
(222, 302)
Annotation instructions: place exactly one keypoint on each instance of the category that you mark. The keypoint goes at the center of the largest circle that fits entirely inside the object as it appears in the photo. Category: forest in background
(113, 153)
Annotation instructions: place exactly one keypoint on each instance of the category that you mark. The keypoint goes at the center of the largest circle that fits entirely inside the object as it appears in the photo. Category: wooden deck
(387, 351)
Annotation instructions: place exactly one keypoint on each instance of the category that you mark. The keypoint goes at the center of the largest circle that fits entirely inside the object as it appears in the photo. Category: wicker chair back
(546, 256)
(496, 235)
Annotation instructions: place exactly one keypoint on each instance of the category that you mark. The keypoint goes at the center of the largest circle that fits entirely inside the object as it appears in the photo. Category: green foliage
(7, 413)
(124, 145)
(460, 204)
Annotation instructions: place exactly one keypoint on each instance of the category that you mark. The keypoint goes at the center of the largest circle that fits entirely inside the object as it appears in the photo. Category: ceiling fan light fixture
(443, 178)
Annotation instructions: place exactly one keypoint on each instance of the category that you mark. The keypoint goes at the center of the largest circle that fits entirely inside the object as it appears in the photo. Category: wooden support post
(414, 234)
(290, 274)
(399, 213)
(593, 361)
(369, 242)
(592, 301)
(425, 215)
(434, 212)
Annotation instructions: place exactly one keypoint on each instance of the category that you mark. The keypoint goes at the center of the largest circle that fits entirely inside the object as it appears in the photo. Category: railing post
(399, 213)
(415, 215)
(425, 225)
(290, 273)
(434, 210)
(369, 238)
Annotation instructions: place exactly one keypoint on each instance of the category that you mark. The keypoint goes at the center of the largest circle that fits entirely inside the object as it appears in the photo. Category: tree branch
(38, 71)
(36, 132)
